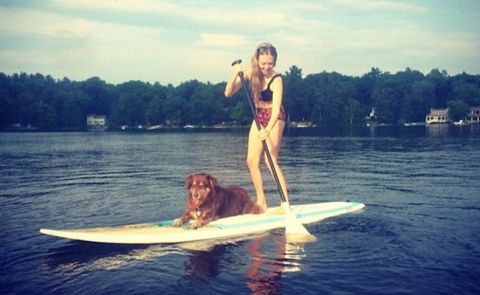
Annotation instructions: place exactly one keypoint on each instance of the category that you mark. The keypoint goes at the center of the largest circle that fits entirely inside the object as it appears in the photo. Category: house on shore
(96, 122)
(473, 116)
(437, 116)
(440, 116)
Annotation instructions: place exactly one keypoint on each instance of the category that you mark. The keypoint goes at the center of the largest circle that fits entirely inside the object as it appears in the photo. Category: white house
(437, 116)
(473, 116)
(96, 122)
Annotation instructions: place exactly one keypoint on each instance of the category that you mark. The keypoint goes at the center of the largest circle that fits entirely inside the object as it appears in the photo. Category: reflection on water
(294, 253)
(437, 130)
(434, 130)
(83, 257)
(419, 236)
(265, 270)
(269, 256)
(446, 130)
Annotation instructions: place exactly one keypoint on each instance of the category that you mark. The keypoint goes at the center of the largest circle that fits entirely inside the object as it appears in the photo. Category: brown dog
(207, 201)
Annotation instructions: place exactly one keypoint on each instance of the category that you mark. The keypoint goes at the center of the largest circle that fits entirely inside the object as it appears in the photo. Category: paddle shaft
(264, 142)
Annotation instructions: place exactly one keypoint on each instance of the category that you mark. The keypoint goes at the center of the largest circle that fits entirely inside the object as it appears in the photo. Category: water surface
(419, 233)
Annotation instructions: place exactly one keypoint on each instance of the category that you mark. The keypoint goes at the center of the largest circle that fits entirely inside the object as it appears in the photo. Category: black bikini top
(267, 94)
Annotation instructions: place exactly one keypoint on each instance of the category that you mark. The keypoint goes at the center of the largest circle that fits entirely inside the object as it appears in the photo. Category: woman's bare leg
(274, 142)
(255, 149)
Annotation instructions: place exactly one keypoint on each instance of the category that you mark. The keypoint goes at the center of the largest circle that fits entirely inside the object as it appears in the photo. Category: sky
(174, 41)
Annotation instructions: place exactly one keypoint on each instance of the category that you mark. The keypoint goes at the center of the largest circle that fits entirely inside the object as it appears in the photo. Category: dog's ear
(188, 181)
(213, 182)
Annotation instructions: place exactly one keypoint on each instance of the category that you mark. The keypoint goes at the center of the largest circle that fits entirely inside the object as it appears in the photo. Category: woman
(267, 91)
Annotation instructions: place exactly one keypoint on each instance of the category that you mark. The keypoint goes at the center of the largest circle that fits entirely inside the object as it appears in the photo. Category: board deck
(241, 225)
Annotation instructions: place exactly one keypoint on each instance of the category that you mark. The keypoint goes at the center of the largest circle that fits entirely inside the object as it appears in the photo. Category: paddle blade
(295, 232)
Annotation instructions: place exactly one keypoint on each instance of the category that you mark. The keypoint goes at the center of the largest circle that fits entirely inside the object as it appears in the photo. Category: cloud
(146, 6)
(169, 42)
(229, 40)
(353, 51)
(377, 6)
(63, 26)
(115, 52)
(215, 14)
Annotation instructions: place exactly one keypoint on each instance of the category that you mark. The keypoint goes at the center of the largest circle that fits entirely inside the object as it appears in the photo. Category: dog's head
(199, 187)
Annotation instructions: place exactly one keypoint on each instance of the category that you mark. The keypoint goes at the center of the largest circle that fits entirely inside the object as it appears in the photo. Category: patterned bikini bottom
(264, 115)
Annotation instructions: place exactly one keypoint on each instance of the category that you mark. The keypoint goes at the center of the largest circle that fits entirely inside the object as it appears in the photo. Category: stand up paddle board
(241, 225)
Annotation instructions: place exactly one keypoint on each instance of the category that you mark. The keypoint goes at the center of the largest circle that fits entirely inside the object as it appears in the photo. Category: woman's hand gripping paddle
(295, 232)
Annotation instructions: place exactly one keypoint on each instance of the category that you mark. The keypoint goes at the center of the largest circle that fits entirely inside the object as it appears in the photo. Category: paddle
(295, 231)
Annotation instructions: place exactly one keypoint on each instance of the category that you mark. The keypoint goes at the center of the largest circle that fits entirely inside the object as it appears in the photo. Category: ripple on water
(418, 234)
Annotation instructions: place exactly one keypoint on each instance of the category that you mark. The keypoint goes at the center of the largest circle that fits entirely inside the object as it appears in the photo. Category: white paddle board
(241, 225)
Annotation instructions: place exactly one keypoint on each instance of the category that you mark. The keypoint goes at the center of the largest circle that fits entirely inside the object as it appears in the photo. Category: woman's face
(266, 62)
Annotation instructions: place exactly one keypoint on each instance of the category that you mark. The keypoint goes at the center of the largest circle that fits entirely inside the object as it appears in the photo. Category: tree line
(325, 99)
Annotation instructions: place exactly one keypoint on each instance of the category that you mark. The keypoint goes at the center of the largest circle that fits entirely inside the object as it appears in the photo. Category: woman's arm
(234, 83)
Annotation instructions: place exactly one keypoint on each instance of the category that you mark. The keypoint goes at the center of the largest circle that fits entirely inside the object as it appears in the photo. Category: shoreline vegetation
(34, 102)
(291, 128)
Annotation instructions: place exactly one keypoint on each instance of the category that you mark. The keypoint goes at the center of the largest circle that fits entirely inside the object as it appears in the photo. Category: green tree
(27, 109)
(420, 101)
(240, 112)
(100, 94)
(353, 111)
(387, 100)
(187, 89)
(365, 86)
(442, 87)
(295, 99)
(175, 109)
(467, 92)
(155, 114)
(330, 92)
(204, 107)
(45, 116)
(457, 110)
(7, 107)
(328, 99)
(75, 109)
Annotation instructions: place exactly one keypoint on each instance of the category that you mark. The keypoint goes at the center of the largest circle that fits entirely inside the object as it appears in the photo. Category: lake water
(419, 232)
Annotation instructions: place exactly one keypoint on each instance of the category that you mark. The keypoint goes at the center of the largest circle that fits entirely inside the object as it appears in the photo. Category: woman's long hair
(256, 79)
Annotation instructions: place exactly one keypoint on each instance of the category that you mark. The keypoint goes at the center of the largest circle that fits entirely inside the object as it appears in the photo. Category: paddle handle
(259, 127)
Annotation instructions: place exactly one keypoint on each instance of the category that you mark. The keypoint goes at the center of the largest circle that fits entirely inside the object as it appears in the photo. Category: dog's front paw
(196, 224)
(177, 222)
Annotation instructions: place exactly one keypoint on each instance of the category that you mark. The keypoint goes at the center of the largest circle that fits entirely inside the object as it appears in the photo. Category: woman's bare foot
(262, 205)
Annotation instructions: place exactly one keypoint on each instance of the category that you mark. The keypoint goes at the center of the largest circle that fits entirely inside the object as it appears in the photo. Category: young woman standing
(267, 92)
